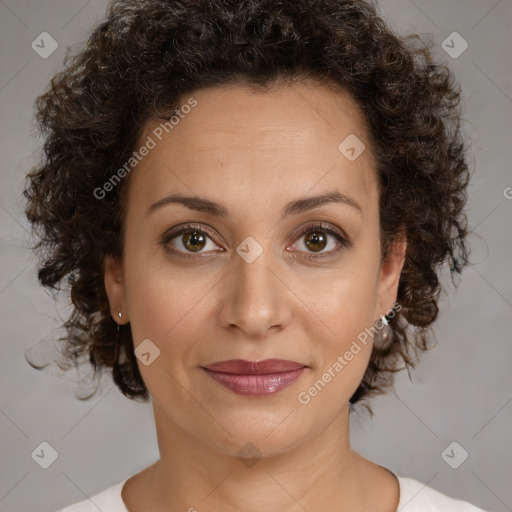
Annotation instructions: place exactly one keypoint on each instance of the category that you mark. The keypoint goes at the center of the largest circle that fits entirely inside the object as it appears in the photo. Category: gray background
(461, 391)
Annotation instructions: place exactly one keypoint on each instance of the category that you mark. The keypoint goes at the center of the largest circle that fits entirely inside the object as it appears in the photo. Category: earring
(384, 336)
(120, 315)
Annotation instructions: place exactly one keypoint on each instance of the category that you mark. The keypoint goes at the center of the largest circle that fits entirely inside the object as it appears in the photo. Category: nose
(255, 297)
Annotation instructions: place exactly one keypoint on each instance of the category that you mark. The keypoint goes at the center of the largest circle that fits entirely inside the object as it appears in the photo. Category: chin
(255, 438)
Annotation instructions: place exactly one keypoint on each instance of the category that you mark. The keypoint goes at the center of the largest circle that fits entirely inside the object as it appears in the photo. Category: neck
(320, 472)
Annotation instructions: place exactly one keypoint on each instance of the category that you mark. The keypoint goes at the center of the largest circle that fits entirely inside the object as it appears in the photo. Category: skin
(253, 152)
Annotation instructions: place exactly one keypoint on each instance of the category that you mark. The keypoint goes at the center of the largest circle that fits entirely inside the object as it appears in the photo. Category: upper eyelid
(325, 226)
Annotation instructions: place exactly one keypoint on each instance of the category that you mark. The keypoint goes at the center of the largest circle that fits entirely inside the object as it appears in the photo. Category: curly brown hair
(144, 56)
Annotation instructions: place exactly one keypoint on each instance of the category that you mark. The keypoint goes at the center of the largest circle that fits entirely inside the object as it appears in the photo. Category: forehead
(286, 138)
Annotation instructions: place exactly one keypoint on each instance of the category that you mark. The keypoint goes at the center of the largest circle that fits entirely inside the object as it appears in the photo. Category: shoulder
(108, 500)
(419, 497)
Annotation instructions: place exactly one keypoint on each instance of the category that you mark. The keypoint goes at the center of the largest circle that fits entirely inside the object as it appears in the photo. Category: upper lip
(243, 367)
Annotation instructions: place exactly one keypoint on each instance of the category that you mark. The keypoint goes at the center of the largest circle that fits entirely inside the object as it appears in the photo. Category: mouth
(255, 378)
(265, 367)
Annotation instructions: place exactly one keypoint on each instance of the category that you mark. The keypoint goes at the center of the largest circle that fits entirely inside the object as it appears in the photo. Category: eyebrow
(295, 207)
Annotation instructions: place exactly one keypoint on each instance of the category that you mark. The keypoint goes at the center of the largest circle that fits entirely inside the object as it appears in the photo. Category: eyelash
(315, 228)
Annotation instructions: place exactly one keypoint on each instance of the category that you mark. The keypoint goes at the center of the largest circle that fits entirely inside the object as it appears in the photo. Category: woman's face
(256, 282)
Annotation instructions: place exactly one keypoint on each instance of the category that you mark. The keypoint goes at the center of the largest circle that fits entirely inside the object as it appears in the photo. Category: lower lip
(256, 385)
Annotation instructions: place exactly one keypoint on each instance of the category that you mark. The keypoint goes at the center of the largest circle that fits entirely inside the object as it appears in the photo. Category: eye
(316, 239)
(193, 239)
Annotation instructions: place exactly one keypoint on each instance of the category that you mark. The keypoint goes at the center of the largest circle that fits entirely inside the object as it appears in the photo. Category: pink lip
(256, 378)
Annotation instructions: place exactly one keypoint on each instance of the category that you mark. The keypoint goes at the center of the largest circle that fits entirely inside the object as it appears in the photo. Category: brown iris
(315, 241)
(191, 240)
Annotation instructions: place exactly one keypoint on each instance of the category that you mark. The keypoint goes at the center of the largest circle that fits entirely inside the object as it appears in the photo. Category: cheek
(167, 312)
(342, 340)
(163, 305)
(342, 300)
(341, 313)
(347, 313)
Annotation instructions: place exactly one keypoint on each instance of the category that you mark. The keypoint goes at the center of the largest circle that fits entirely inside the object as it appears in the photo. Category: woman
(251, 202)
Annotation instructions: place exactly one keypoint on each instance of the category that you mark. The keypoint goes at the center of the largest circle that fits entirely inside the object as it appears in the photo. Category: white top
(414, 497)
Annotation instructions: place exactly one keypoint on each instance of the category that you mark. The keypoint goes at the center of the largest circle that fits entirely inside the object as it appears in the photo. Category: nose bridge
(255, 299)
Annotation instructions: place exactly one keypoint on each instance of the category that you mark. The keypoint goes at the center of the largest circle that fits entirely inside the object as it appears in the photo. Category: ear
(114, 286)
(389, 277)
